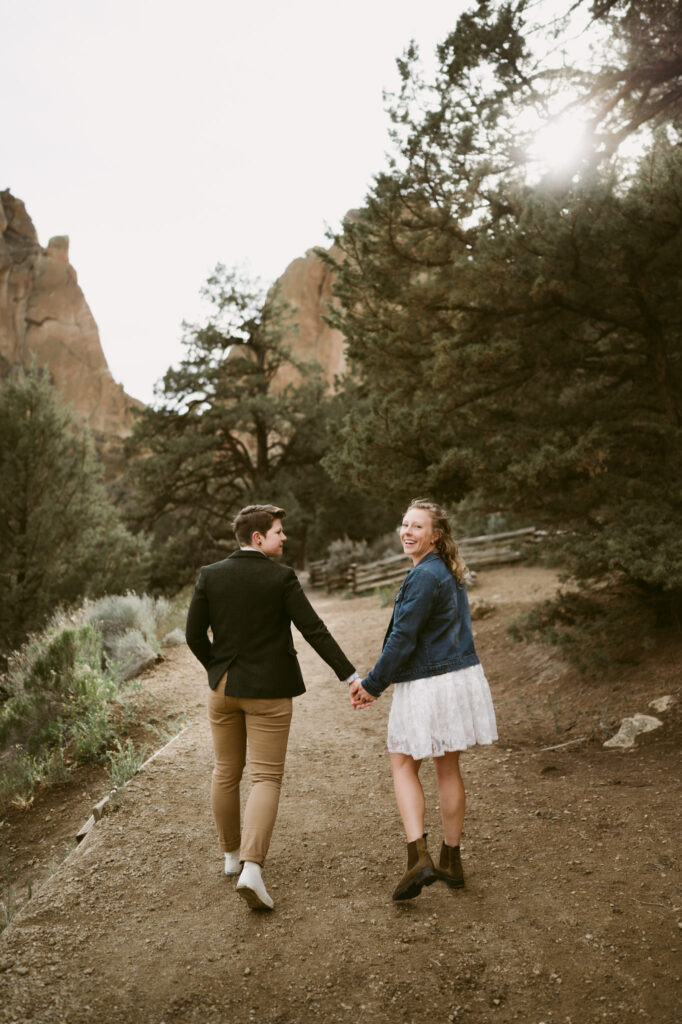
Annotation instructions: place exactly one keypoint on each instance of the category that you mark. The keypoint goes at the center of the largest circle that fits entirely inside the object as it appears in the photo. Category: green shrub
(387, 544)
(587, 627)
(58, 710)
(116, 615)
(172, 614)
(129, 653)
(128, 625)
(51, 680)
(65, 703)
(342, 553)
(48, 463)
(90, 729)
(22, 772)
(123, 762)
(19, 776)
(54, 768)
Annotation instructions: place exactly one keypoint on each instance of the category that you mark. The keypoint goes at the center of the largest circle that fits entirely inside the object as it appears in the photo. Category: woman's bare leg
(409, 794)
(451, 794)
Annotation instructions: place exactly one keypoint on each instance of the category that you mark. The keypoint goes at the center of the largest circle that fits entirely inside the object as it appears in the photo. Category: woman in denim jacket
(442, 704)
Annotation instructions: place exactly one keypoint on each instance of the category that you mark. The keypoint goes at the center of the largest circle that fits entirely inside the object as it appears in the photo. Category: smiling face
(417, 534)
(272, 542)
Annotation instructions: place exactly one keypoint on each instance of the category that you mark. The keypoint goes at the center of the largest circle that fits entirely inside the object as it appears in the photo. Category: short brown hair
(255, 517)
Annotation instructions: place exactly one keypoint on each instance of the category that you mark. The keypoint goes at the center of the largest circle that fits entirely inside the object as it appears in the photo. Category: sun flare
(559, 144)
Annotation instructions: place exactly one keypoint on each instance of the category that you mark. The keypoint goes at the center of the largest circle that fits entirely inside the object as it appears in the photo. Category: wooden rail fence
(488, 549)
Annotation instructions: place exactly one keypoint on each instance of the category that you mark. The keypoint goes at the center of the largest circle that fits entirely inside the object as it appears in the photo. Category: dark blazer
(249, 603)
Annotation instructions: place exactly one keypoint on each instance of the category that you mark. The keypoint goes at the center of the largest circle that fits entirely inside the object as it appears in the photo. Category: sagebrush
(67, 701)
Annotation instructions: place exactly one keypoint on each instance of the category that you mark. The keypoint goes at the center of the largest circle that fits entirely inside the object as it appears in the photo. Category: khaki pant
(263, 725)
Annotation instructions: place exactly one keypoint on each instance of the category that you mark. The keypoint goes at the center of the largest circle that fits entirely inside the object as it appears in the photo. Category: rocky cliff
(44, 318)
(306, 285)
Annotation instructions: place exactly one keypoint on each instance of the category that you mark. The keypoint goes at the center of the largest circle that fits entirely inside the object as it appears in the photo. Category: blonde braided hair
(446, 545)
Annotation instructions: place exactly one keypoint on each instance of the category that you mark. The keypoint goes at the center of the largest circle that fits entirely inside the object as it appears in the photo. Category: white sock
(232, 863)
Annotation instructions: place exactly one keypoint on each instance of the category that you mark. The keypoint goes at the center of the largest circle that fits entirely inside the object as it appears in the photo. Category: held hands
(359, 697)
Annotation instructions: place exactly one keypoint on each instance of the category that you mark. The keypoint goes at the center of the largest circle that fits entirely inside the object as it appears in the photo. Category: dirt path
(570, 913)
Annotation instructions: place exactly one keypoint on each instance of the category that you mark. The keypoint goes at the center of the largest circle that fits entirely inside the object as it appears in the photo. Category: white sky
(164, 136)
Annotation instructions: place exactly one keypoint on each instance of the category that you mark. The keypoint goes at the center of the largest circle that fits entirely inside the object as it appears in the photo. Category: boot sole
(425, 877)
(252, 898)
(450, 883)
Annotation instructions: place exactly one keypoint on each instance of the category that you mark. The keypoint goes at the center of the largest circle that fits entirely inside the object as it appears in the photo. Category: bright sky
(164, 136)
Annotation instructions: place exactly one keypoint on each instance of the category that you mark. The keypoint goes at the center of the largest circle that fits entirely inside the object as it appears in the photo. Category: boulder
(662, 704)
(481, 609)
(630, 728)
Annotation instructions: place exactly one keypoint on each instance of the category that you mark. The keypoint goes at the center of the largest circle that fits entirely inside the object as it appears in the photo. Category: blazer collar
(240, 553)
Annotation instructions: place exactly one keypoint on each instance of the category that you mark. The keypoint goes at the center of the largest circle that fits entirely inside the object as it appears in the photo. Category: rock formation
(306, 285)
(45, 319)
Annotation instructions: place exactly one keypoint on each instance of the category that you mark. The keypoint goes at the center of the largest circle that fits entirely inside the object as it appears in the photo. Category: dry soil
(571, 911)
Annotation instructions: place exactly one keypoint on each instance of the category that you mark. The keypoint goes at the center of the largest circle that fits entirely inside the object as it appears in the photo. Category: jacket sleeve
(196, 630)
(313, 629)
(408, 619)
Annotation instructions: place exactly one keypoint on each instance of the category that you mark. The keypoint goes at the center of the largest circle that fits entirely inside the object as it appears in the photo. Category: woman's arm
(409, 617)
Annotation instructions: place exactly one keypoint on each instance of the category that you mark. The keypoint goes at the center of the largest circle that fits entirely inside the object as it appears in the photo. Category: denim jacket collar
(427, 558)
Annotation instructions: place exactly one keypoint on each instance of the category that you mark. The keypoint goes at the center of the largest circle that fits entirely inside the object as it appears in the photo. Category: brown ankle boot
(449, 868)
(420, 871)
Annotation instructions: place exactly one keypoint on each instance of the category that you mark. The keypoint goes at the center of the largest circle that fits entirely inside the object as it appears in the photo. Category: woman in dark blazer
(249, 602)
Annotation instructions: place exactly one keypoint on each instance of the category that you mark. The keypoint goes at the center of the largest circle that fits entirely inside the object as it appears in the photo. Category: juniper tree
(515, 343)
(60, 537)
(239, 421)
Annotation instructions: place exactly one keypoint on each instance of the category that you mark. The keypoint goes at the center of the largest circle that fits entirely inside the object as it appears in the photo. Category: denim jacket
(430, 629)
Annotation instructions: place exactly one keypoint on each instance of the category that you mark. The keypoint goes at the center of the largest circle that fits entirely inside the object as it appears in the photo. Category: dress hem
(439, 714)
(446, 750)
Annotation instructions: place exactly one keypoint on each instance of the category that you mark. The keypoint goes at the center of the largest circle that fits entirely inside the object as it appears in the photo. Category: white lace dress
(452, 711)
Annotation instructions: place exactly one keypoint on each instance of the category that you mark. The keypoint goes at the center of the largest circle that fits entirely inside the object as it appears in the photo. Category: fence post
(353, 577)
